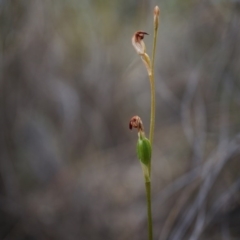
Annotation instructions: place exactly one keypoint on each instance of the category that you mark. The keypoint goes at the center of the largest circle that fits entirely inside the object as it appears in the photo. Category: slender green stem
(154, 44)
(151, 132)
(152, 117)
(152, 85)
(149, 209)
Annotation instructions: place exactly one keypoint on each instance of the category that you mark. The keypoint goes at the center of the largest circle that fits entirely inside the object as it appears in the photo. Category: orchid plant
(145, 145)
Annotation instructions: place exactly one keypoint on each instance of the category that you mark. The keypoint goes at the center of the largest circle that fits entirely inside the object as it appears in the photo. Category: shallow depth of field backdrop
(69, 83)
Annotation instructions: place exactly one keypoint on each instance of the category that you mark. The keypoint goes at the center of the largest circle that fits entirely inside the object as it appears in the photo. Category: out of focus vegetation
(70, 82)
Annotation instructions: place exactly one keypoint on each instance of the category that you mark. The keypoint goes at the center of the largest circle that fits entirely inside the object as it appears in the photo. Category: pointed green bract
(144, 150)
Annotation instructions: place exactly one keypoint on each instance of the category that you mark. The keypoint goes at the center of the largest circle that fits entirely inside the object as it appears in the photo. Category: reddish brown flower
(136, 122)
(138, 43)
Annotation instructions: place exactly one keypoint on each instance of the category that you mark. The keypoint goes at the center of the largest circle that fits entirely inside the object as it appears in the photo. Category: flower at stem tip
(156, 14)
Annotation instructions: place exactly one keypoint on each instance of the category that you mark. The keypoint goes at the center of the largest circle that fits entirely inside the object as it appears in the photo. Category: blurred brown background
(70, 82)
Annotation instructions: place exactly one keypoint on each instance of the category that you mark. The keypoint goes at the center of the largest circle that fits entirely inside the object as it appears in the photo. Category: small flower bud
(156, 11)
(156, 14)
